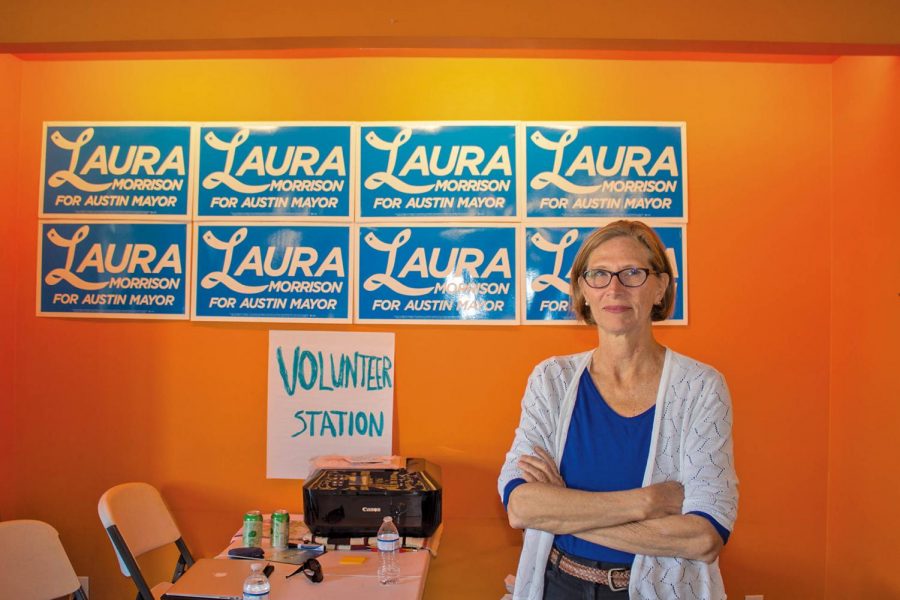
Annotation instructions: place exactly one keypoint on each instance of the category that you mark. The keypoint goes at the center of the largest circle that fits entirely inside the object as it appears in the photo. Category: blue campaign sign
(549, 254)
(606, 170)
(674, 239)
(115, 170)
(277, 272)
(437, 171)
(274, 171)
(437, 274)
(136, 270)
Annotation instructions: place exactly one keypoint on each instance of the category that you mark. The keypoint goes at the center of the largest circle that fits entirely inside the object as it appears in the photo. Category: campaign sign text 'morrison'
(122, 269)
(260, 272)
(116, 170)
(438, 171)
(277, 171)
(437, 273)
(629, 171)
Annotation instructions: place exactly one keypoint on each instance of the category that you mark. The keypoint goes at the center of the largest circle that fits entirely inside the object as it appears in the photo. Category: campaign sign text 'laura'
(632, 171)
(549, 254)
(113, 269)
(278, 171)
(124, 170)
(259, 272)
(437, 274)
(438, 171)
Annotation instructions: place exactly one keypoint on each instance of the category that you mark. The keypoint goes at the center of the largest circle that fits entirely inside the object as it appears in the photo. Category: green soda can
(253, 528)
(281, 528)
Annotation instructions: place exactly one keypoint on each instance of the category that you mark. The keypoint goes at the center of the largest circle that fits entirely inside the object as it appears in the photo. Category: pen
(295, 546)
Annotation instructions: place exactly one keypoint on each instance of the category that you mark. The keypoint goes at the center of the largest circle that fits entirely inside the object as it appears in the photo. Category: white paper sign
(329, 393)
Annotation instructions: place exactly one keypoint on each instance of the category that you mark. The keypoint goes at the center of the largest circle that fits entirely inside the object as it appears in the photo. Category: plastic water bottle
(388, 549)
(256, 586)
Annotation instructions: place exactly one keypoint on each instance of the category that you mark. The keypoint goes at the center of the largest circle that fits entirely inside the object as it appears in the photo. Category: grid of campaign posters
(374, 222)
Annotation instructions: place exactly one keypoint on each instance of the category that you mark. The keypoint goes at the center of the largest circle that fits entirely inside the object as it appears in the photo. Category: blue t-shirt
(604, 452)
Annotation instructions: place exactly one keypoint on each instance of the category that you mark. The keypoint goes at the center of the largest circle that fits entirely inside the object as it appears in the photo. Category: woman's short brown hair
(659, 262)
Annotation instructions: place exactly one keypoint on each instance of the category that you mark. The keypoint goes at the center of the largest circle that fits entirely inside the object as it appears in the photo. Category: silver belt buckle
(609, 576)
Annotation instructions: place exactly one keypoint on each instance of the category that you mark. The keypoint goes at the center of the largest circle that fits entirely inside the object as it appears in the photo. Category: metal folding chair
(137, 521)
(33, 563)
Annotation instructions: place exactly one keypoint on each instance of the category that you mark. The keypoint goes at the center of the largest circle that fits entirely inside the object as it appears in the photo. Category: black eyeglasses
(311, 568)
(630, 277)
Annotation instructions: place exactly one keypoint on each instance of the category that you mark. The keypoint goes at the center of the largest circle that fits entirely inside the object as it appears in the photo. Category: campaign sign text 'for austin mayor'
(437, 274)
(549, 254)
(277, 170)
(606, 170)
(272, 272)
(438, 171)
(104, 269)
(108, 170)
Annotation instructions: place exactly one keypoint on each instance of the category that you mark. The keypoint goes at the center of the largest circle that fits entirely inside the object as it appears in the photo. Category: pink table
(352, 581)
(345, 576)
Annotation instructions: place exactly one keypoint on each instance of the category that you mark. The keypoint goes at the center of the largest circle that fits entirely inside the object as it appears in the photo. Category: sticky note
(353, 560)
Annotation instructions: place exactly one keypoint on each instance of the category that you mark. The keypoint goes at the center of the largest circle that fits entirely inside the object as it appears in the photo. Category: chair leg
(130, 563)
(185, 560)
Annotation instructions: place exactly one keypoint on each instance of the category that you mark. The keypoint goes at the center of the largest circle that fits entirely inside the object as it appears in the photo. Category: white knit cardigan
(691, 443)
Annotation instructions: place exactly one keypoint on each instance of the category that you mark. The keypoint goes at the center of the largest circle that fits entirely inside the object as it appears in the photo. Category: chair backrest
(34, 564)
(137, 521)
(139, 513)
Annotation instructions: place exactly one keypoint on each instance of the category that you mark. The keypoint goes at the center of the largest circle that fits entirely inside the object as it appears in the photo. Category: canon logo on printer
(371, 509)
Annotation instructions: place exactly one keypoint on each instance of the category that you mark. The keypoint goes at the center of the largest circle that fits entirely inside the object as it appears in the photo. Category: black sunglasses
(311, 568)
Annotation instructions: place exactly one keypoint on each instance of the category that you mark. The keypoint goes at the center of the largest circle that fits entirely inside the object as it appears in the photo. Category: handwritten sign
(274, 170)
(432, 273)
(278, 272)
(438, 171)
(606, 170)
(109, 170)
(136, 270)
(329, 393)
(549, 254)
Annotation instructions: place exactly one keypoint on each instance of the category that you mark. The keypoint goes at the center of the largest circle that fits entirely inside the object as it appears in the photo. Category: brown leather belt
(615, 579)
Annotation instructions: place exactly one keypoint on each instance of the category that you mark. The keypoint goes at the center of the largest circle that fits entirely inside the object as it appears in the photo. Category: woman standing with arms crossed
(621, 470)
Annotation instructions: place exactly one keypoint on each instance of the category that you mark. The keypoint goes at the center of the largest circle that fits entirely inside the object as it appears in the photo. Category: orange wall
(182, 405)
(863, 489)
(10, 72)
(650, 24)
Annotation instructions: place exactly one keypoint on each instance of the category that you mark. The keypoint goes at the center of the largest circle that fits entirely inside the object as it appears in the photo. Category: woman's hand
(540, 468)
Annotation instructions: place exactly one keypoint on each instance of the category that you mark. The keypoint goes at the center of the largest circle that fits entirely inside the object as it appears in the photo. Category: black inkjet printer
(353, 502)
